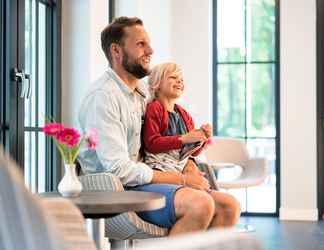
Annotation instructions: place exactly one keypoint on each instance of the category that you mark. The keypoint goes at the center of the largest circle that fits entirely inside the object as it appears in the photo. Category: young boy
(169, 132)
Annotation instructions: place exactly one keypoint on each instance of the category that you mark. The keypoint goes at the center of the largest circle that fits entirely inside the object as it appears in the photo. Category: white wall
(82, 59)
(191, 48)
(75, 58)
(298, 109)
(157, 22)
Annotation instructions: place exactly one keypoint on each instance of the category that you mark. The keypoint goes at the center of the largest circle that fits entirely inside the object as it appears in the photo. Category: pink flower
(52, 129)
(91, 138)
(69, 137)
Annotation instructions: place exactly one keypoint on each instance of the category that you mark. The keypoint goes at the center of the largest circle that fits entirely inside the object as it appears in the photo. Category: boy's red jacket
(156, 123)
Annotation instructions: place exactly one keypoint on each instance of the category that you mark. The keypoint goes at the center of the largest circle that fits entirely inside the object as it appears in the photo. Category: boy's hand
(207, 129)
(195, 135)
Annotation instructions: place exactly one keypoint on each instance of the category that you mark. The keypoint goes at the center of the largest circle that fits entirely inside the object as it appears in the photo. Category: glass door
(35, 106)
(14, 82)
(30, 87)
(42, 165)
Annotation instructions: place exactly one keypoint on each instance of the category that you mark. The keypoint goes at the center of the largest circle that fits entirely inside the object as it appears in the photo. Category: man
(115, 107)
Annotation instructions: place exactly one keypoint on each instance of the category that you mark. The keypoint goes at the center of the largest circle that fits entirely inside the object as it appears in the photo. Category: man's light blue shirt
(116, 112)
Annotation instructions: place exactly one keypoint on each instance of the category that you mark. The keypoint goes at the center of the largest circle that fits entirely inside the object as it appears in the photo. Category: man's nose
(149, 50)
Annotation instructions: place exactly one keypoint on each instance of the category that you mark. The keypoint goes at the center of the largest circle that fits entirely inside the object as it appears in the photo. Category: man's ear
(115, 50)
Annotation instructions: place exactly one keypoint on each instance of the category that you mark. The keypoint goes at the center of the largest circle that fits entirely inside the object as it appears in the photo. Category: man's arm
(103, 114)
(190, 179)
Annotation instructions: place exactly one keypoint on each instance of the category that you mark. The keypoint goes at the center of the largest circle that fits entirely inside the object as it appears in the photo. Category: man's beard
(134, 68)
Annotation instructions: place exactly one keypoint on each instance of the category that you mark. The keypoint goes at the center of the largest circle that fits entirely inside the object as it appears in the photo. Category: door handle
(3, 127)
(20, 76)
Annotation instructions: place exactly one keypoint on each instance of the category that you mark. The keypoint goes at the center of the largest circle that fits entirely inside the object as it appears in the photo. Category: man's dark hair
(114, 33)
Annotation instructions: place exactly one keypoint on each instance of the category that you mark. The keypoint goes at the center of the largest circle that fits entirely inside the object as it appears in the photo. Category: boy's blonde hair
(159, 73)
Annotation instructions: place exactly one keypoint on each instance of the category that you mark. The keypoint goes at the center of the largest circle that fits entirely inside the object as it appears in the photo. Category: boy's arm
(154, 141)
(207, 129)
(191, 126)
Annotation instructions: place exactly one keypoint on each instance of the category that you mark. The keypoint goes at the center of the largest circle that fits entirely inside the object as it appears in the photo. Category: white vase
(70, 186)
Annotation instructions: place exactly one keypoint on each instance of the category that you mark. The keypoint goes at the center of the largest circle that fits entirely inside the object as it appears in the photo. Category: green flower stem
(70, 156)
(60, 148)
(77, 151)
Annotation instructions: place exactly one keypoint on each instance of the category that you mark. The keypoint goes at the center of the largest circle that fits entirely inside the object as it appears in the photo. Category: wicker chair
(125, 226)
(33, 223)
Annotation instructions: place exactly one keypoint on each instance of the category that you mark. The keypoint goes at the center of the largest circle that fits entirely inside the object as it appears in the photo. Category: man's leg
(194, 210)
(227, 209)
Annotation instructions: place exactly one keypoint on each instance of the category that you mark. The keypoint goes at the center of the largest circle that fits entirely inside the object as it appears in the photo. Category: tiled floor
(284, 235)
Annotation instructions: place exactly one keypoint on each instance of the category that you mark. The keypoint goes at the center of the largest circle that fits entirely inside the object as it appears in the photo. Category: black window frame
(277, 93)
(320, 105)
(2, 91)
(111, 10)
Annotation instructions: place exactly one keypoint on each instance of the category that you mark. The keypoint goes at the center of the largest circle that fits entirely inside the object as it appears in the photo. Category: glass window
(231, 31)
(246, 78)
(231, 99)
(38, 64)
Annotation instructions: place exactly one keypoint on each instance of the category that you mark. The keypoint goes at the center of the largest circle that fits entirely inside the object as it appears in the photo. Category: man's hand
(194, 177)
(191, 167)
(196, 180)
(207, 129)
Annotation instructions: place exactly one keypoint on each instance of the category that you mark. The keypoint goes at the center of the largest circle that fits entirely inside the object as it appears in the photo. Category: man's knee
(197, 204)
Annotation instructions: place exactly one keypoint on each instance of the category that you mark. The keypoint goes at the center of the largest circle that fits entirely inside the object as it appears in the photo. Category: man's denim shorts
(163, 217)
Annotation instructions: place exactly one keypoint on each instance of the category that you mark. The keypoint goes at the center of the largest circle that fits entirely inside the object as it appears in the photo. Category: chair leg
(244, 228)
(118, 244)
(122, 244)
(130, 244)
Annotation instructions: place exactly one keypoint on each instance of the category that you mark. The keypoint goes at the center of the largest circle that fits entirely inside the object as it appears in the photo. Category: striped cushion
(69, 221)
(126, 225)
(23, 223)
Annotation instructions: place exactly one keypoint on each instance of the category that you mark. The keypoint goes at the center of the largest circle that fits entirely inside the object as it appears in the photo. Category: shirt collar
(123, 86)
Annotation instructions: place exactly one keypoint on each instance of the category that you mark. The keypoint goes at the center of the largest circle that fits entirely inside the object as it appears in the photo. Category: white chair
(229, 152)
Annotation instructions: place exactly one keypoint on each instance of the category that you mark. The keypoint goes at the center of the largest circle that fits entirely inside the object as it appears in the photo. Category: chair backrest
(227, 150)
(215, 239)
(23, 223)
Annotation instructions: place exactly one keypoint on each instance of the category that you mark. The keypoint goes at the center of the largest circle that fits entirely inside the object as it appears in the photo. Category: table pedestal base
(96, 229)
